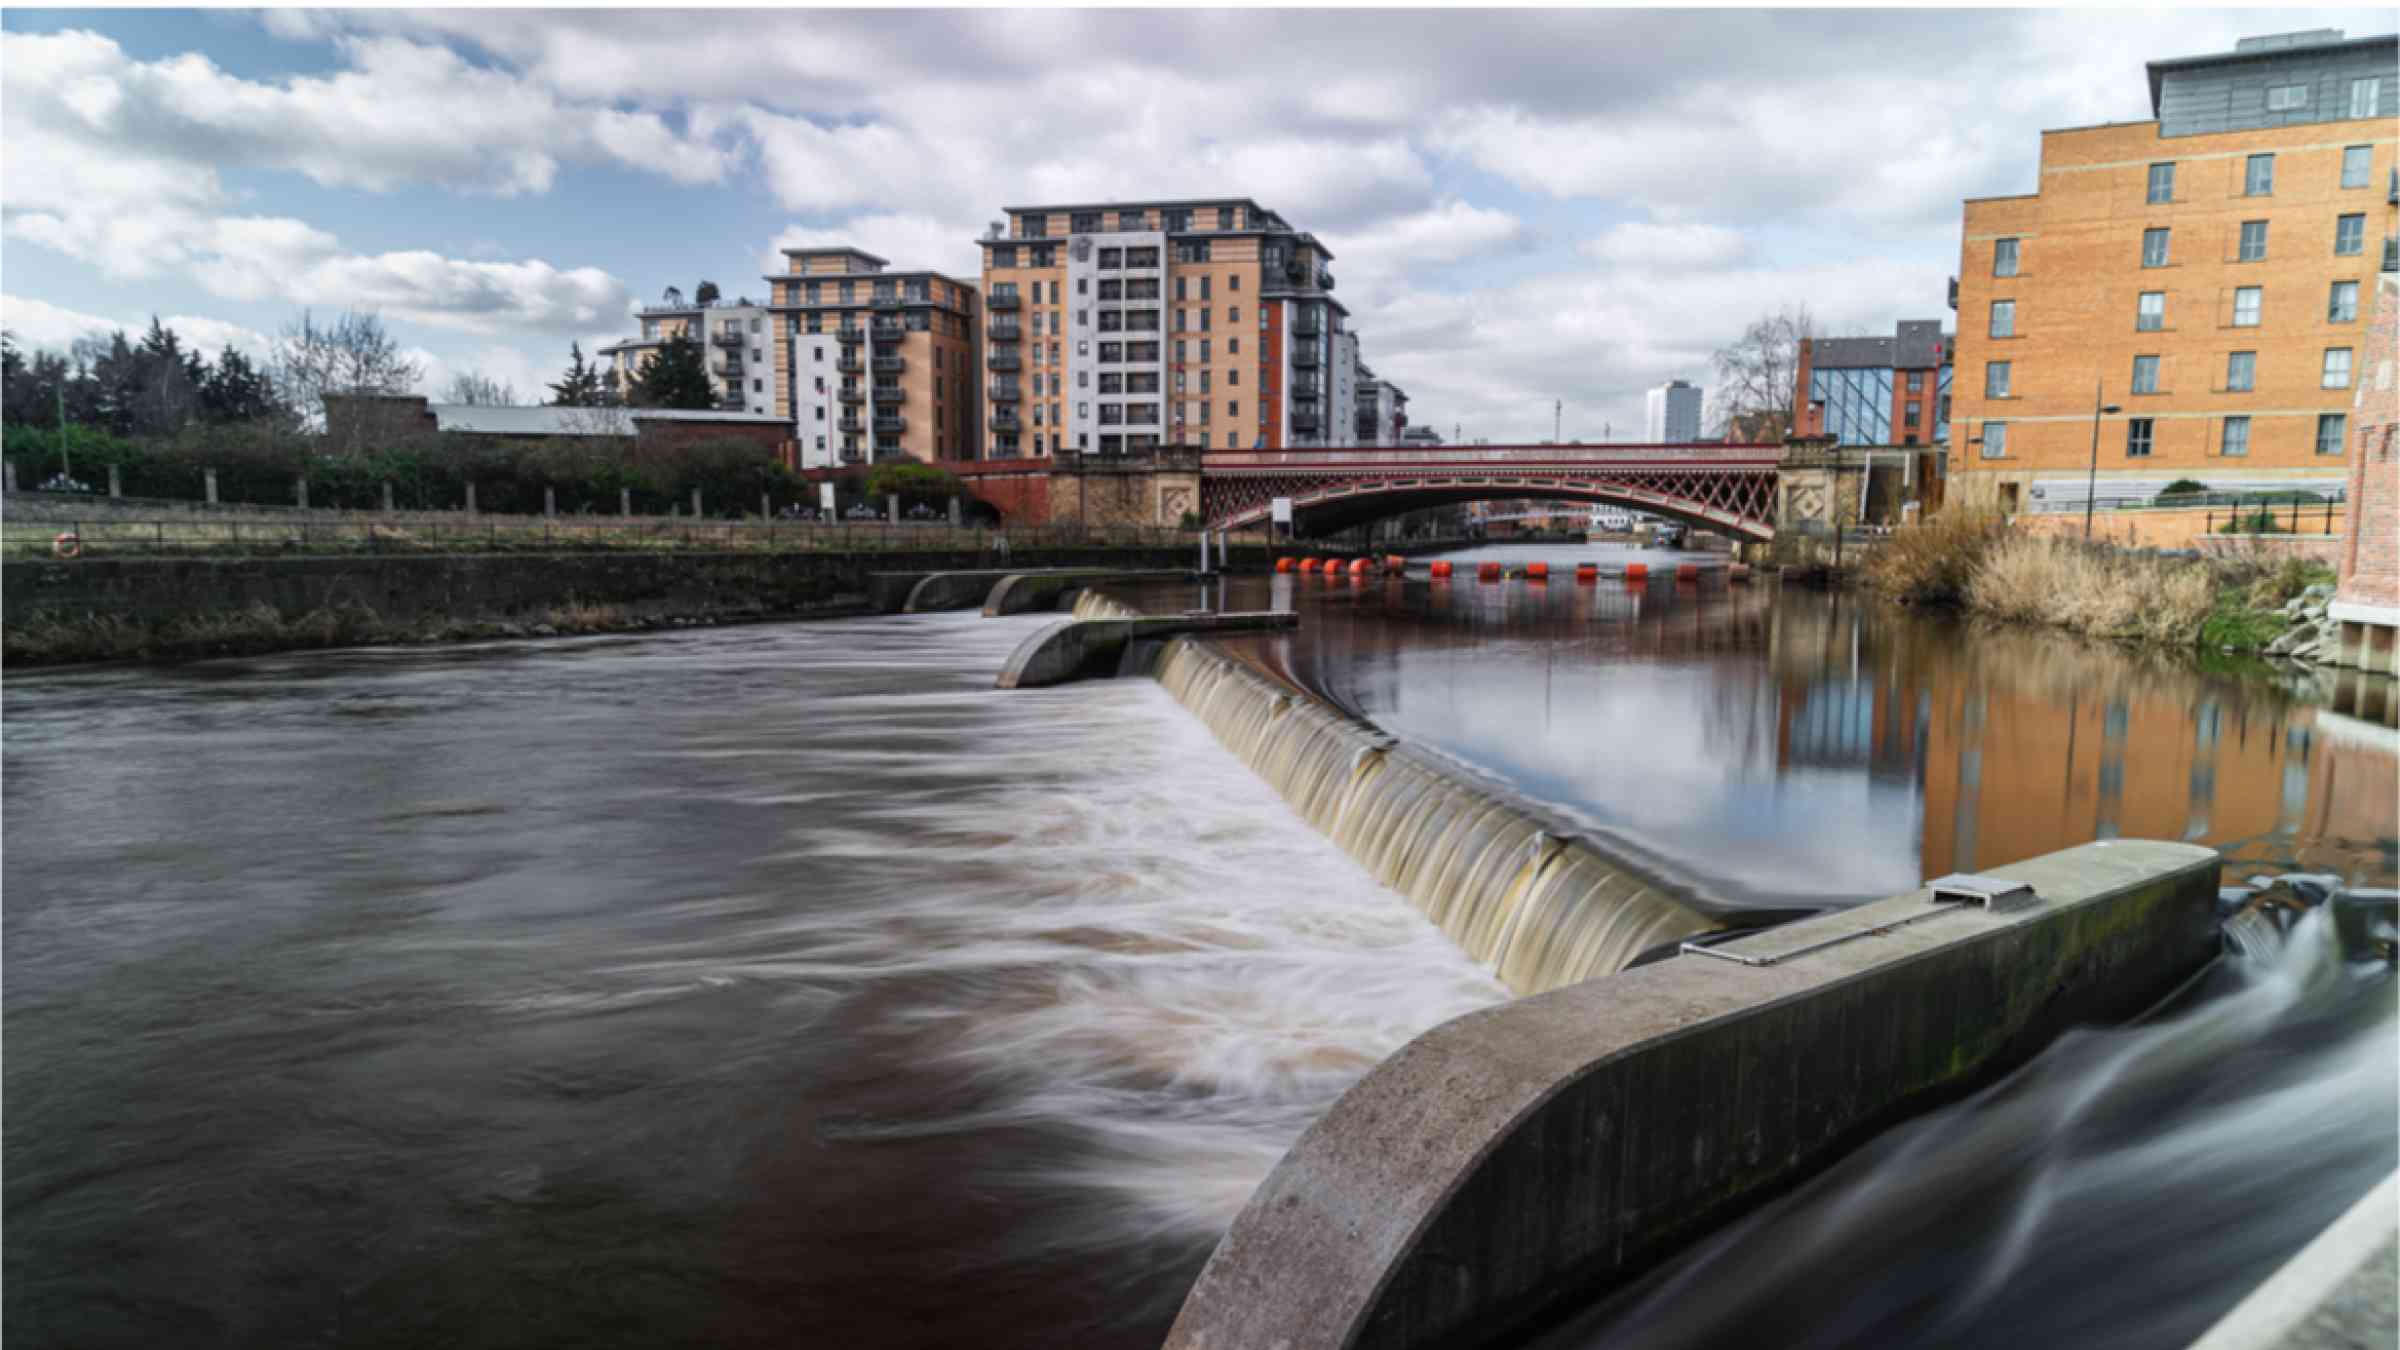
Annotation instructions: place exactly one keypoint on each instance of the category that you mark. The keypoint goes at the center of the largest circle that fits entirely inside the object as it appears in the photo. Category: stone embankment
(101, 609)
(2313, 635)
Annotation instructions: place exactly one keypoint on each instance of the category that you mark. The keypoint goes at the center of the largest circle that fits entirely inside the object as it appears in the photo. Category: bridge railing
(1501, 455)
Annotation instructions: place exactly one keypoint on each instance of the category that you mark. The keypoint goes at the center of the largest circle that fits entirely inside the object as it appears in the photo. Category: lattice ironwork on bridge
(1729, 488)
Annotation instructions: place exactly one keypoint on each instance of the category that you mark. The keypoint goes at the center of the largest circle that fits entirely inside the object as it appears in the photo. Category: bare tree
(1756, 374)
(469, 387)
(354, 354)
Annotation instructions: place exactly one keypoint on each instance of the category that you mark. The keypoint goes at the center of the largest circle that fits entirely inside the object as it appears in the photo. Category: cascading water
(1540, 910)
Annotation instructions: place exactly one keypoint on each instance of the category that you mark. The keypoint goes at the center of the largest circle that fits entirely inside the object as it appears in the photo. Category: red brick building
(2367, 604)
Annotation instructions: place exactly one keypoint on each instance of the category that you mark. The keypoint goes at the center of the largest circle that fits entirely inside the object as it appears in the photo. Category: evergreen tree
(582, 386)
(676, 377)
(236, 390)
(707, 294)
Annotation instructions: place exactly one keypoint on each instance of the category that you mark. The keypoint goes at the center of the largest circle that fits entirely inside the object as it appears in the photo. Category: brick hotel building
(2209, 273)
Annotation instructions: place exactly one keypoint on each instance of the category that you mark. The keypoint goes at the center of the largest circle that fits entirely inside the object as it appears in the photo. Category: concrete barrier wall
(1512, 1164)
(409, 587)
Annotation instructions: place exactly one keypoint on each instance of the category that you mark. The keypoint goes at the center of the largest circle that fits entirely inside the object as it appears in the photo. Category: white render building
(1672, 413)
(737, 343)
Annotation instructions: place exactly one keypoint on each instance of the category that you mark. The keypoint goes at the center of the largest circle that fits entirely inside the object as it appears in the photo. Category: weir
(1542, 909)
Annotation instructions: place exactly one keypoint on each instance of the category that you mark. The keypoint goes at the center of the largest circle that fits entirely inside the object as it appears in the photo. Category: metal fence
(189, 536)
(2058, 498)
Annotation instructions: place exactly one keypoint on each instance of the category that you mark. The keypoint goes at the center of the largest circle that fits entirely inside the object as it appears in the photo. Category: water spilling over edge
(1541, 910)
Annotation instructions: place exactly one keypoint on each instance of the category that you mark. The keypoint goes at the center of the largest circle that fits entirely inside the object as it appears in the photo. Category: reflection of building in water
(2022, 743)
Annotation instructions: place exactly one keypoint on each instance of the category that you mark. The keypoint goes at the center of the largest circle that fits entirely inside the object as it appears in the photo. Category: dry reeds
(1934, 563)
(2092, 590)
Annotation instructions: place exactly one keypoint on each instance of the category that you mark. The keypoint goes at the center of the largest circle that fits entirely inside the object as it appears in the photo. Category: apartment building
(1878, 390)
(2203, 277)
(735, 337)
(1379, 409)
(1122, 327)
(1671, 413)
(873, 365)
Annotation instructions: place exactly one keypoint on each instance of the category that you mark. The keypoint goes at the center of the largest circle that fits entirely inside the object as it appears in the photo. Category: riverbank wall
(96, 609)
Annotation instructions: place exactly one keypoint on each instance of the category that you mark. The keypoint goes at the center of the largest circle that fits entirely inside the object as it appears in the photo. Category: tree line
(161, 413)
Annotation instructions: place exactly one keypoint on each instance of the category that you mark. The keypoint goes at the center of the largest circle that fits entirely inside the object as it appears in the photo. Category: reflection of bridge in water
(1727, 488)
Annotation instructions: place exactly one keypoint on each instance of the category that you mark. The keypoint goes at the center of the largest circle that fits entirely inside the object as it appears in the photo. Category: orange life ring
(66, 545)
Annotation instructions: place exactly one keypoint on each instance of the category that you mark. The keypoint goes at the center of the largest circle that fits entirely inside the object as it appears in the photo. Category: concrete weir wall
(1508, 1166)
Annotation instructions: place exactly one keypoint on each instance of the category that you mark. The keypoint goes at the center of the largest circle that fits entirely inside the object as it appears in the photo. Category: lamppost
(2091, 478)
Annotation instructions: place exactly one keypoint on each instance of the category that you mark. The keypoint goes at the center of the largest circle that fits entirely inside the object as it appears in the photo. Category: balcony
(1005, 393)
(730, 403)
(849, 364)
(887, 332)
(1294, 269)
(731, 369)
(851, 393)
(1306, 386)
(1308, 326)
(889, 365)
(1304, 358)
(1005, 360)
(893, 425)
(1005, 420)
(1006, 330)
(999, 301)
(1303, 420)
(849, 332)
(890, 393)
(725, 339)
(1366, 423)
(852, 425)
(1325, 278)
(2391, 255)
(887, 302)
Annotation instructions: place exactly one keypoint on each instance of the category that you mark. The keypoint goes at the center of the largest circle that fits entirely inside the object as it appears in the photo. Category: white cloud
(1640, 244)
(40, 325)
(910, 241)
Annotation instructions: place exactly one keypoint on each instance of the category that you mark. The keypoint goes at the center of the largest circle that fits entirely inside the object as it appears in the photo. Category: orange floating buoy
(1284, 564)
(1587, 572)
(1395, 563)
(1637, 571)
(1358, 567)
(1308, 564)
(1489, 571)
(1539, 571)
(1687, 571)
(1738, 572)
(1442, 570)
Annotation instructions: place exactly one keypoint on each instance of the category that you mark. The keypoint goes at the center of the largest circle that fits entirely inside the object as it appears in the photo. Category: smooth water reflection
(1778, 746)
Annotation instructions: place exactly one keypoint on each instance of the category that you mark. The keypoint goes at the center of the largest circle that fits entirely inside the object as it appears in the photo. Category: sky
(1525, 207)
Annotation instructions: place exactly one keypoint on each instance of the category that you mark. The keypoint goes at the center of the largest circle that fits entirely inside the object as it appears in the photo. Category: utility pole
(1557, 408)
(65, 452)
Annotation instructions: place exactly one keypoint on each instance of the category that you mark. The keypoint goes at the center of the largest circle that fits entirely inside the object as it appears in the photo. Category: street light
(2091, 478)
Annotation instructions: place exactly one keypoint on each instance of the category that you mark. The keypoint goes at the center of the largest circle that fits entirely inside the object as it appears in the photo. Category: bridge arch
(1730, 489)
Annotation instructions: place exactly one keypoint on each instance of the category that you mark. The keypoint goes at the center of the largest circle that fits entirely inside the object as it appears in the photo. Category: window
(1234, 282)
(1995, 379)
(1916, 382)
(2004, 318)
(2241, 372)
(2162, 183)
(2236, 440)
(1233, 314)
(2154, 247)
(2332, 430)
(2342, 307)
(2245, 307)
(1233, 407)
(758, 386)
(1995, 440)
(2004, 257)
(1233, 377)
(2364, 96)
(1204, 350)
(2350, 235)
(1204, 285)
(2337, 369)
(2286, 97)
(1915, 414)
(2145, 375)
(1233, 347)
(2254, 241)
(2137, 437)
(2358, 161)
(2150, 312)
(1224, 217)
(2258, 179)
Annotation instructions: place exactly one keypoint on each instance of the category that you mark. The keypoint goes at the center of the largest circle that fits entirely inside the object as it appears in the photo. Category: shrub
(2094, 590)
(1932, 563)
(2183, 487)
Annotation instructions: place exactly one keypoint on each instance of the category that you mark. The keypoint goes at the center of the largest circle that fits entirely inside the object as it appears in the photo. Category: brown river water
(789, 985)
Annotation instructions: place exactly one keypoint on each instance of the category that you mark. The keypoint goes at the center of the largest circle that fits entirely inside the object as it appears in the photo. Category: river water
(789, 985)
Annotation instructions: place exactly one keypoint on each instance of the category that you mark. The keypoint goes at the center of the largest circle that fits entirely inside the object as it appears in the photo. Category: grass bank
(1975, 562)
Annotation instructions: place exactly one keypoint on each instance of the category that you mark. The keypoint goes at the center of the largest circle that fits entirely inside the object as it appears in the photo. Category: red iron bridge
(1730, 489)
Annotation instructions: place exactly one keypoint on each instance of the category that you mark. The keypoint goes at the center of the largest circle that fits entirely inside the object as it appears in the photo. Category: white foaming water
(2123, 1189)
(1102, 922)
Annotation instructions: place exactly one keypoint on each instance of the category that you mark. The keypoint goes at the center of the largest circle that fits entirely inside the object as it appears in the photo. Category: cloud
(40, 325)
(910, 241)
(1640, 244)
